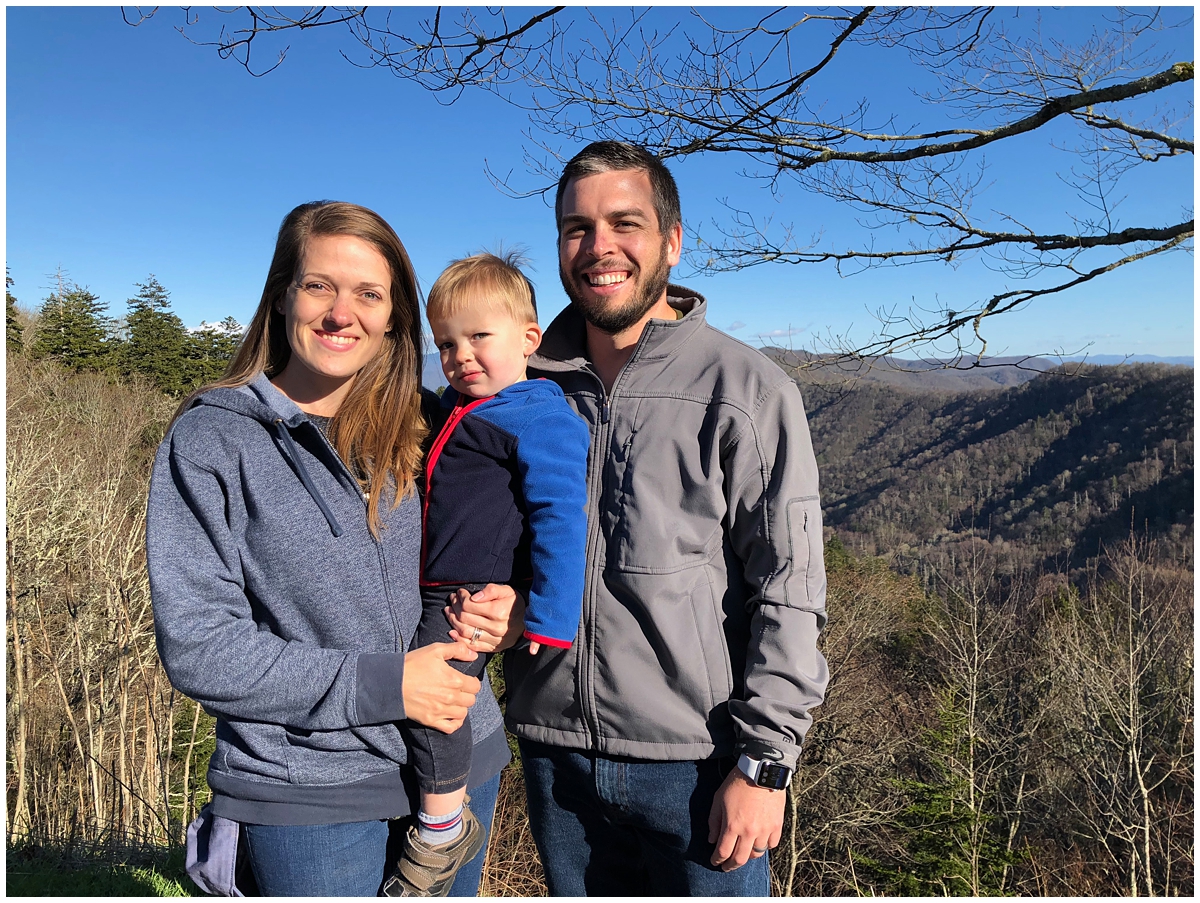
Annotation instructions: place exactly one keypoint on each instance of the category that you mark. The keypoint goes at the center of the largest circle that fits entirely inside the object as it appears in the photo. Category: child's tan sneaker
(427, 871)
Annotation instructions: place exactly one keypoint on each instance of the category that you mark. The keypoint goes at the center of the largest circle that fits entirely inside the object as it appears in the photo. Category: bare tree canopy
(927, 178)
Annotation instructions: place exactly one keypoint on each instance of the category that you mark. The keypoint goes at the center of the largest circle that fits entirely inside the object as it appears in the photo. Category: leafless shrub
(91, 717)
(1121, 707)
(842, 796)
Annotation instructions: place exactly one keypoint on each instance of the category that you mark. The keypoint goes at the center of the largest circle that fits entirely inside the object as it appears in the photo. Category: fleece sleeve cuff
(379, 695)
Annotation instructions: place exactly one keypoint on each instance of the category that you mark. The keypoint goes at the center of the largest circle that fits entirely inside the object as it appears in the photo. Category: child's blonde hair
(484, 279)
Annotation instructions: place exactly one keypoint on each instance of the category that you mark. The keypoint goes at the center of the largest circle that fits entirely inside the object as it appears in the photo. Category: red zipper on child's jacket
(460, 411)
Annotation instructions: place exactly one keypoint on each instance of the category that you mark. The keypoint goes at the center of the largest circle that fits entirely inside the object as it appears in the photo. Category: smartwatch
(764, 772)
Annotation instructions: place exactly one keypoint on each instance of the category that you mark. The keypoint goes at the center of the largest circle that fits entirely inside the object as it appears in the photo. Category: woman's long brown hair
(379, 428)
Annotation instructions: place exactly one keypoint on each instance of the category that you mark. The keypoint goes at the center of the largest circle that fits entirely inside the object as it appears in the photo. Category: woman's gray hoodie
(278, 611)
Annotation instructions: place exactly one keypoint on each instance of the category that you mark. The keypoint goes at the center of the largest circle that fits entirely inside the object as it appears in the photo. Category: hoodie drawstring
(286, 437)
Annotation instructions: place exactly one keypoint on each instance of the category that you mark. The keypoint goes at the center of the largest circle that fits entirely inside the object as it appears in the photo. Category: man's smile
(610, 277)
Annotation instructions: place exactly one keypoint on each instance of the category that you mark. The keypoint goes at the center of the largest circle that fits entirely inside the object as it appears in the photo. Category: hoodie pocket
(251, 749)
(342, 756)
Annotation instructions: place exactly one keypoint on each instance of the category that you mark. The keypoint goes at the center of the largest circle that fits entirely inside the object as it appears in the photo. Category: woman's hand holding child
(436, 695)
(496, 611)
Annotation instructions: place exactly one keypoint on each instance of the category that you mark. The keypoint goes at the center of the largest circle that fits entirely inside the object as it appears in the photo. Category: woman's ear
(533, 338)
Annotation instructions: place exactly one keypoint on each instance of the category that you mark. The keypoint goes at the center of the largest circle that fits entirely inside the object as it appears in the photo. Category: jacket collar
(564, 344)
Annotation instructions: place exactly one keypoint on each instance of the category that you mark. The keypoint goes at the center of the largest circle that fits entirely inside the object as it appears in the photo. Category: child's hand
(534, 646)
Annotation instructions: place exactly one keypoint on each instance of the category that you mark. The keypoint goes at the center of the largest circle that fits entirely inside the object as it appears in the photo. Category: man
(657, 747)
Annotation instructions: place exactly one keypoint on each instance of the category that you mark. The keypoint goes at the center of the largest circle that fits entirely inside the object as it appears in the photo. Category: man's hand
(436, 695)
(496, 611)
(746, 821)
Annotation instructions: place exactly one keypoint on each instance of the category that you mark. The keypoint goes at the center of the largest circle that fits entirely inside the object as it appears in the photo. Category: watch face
(773, 776)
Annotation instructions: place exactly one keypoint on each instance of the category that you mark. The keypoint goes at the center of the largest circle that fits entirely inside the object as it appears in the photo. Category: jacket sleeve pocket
(804, 583)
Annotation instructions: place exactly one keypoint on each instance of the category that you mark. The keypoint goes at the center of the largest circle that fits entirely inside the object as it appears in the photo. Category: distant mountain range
(991, 374)
(1131, 359)
(432, 376)
(995, 373)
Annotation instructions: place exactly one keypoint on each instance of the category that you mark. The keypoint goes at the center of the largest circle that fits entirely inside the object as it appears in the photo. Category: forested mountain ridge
(1047, 471)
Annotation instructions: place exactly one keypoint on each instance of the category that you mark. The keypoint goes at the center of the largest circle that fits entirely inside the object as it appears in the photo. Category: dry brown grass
(512, 867)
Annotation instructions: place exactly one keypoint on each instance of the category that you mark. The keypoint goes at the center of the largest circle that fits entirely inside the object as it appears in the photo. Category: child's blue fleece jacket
(506, 486)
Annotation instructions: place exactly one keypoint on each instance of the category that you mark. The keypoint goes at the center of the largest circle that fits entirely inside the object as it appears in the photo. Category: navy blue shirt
(505, 491)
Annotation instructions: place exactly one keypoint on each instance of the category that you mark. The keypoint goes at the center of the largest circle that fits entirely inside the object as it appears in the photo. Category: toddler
(505, 490)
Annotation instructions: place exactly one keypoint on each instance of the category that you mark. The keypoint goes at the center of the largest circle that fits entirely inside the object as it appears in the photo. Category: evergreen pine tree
(211, 348)
(157, 345)
(13, 335)
(72, 327)
(935, 829)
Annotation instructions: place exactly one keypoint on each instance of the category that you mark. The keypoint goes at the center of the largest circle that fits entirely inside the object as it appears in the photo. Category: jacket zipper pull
(604, 411)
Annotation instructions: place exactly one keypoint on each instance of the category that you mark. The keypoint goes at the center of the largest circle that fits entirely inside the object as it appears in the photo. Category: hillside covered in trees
(1037, 669)
(1046, 472)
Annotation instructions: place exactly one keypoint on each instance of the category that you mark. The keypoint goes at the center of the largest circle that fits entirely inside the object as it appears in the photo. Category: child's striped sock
(436, 830)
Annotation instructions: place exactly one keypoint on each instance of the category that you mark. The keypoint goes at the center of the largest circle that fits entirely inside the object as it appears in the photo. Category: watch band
(764, 772)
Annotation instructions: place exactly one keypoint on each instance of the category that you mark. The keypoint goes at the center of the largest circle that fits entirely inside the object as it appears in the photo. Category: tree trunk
(19, 817)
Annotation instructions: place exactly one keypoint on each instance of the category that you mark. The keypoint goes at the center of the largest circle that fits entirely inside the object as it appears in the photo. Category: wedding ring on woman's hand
(758, 849)
(476, 635)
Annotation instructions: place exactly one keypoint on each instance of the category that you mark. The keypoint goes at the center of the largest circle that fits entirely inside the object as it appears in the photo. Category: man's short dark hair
(616, 156)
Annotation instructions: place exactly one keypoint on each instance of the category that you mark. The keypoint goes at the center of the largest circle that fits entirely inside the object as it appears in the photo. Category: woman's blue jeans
(610, 826)
(348, 860)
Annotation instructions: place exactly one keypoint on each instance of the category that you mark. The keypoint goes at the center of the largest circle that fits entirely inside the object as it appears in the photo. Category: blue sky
(131, 151)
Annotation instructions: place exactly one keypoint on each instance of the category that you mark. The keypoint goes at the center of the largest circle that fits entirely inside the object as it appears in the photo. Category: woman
(283, 538)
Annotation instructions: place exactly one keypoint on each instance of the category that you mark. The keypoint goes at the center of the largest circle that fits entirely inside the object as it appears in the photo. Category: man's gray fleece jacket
(705, 586)
(278, 611)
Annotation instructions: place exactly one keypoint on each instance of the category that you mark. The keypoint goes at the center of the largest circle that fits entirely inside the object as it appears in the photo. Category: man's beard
(615, 319)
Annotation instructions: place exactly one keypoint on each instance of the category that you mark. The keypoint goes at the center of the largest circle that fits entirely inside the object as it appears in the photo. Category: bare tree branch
(916, 333)
(736, 258)
(1180, 72)
(1106, 122)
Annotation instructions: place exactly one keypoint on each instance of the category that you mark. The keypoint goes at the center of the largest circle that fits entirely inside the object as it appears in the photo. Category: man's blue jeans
(614, 826)
(348, 860)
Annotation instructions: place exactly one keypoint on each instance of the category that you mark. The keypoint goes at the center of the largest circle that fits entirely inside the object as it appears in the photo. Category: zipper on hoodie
(364, 498)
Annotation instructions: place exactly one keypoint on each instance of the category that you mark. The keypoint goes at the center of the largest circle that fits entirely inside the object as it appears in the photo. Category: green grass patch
(55, 869)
